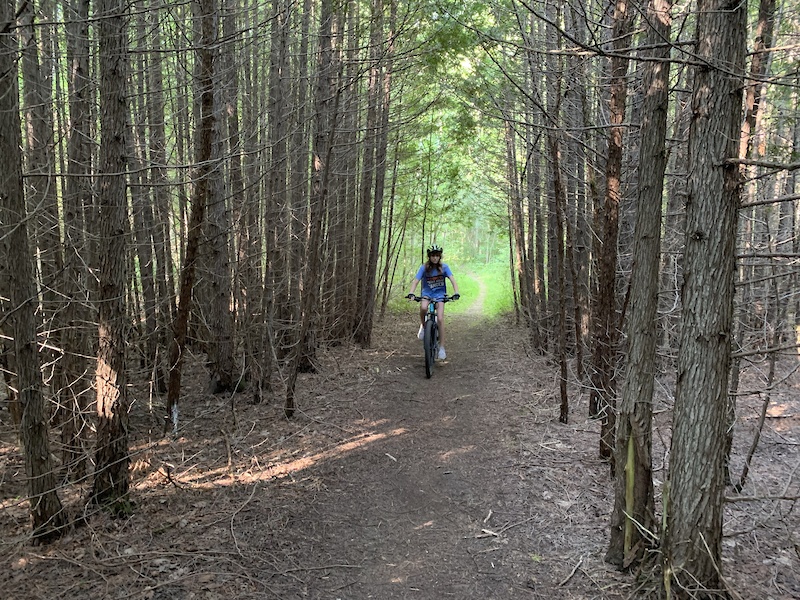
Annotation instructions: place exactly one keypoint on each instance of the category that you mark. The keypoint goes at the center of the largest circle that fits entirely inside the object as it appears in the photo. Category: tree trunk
(633, 492)
(299, 154)
(753, 97)
(142, 206)
(221, 353)
(111, 478)
(19, 310)
(203, 138)
(559, 193)
(326, 104)
(692, 552)
(553, 88)
(257, 333)
(384, 89)
(342, 206)
(70, 377)
(41, 195)
(604, 314)
(578, 243)
(674, 223)
(164, 267)
(517, 225)
(533, 192)
(368, 204)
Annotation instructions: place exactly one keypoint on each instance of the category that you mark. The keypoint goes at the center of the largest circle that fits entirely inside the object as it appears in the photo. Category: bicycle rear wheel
(429, 345)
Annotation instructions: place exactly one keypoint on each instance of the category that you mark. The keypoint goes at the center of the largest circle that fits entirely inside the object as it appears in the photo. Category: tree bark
(111, 478)
(45, 507)
(40, 180)
(692, 549)
(368, 204)
(559, 193)
(142, 208)
(753, 97)
(257, 332)
(384, 93)
(221, 353)
(634, 510)
(604, 314)
(70, 378)
(162, 229)
(203, 138)
(326, 95)
(533, 191)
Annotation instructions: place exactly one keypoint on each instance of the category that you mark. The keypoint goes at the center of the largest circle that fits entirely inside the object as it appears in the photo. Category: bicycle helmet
(434, 249)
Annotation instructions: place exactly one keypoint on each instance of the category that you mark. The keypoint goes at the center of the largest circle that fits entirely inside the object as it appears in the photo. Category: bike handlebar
(416, 298)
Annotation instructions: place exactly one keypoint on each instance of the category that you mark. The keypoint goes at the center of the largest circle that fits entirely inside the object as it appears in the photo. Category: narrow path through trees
(384, 485)
(439, 500)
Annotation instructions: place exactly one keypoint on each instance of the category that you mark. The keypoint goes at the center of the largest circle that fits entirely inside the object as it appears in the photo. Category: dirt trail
(415, 514)
(385, 485)
(442, 506)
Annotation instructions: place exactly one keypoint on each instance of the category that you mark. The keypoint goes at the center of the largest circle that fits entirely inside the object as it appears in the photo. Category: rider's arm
(455, 285)
(414, 285)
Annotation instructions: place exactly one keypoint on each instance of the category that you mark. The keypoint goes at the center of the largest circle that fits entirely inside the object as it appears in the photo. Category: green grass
(498, 299)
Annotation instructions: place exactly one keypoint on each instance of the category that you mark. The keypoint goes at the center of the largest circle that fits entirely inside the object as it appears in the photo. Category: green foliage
(450, 179)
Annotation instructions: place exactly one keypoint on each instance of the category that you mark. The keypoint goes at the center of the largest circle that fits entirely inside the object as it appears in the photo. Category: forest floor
(388, 485)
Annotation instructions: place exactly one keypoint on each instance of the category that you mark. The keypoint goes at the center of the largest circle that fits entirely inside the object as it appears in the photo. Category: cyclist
(432, 274)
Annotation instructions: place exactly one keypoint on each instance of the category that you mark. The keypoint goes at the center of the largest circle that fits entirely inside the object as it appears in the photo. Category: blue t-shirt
(434, 284)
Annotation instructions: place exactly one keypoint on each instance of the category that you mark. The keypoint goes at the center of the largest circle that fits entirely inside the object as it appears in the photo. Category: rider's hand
(456, 296)
(410, 296)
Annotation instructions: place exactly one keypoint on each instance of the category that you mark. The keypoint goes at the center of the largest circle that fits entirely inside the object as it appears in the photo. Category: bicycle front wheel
(429, 344)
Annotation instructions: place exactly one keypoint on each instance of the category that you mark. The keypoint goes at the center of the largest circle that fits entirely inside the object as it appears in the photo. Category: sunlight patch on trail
(455, 452)
(283, 469)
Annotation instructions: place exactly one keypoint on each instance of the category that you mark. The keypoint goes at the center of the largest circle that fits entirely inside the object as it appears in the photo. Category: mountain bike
(430, 341)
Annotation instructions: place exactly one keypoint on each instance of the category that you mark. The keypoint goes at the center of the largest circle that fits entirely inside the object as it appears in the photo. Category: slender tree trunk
(559, 194)
(557, 200)
(258, 341)
(534, 195)
(40, 178)
(203, 140)
(674, 223)
(367, 202)
(70, 378)
(230, 55)
(553, 88)
(393, 242)
(579, 243)
(342, 211)
(753, 98)
(326, 105)
(111, 478)
(277, 206)
(634, 510)
(19, 309)
(221, 355)
(141, 203)
(299, 154)
(533, 189)
(693, 544)
(384, 91)
(517, 225)
(604, 314)
(162, 213)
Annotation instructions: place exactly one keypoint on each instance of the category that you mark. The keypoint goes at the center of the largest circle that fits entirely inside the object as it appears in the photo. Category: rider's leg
(440, 321)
